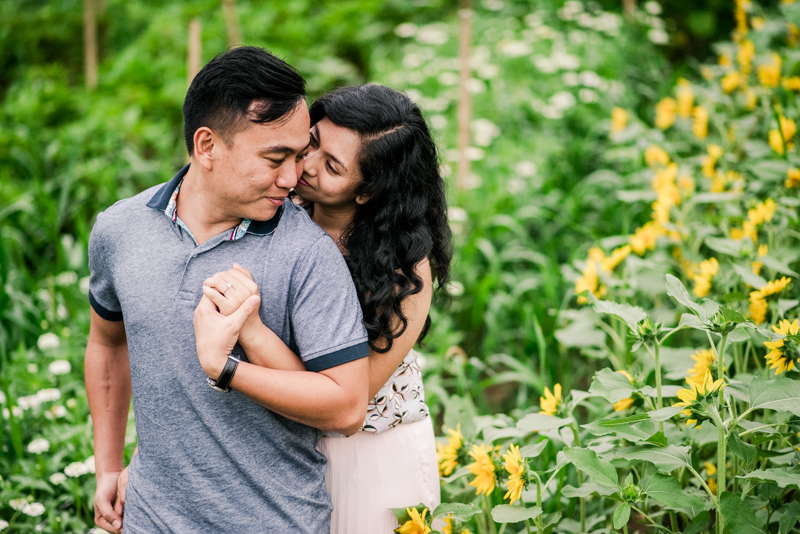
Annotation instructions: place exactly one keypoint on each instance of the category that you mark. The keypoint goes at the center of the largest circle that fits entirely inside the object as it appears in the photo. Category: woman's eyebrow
(334, 158)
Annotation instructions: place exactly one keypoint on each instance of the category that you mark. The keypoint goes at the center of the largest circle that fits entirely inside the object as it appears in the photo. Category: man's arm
(334, 399)
(108, 388)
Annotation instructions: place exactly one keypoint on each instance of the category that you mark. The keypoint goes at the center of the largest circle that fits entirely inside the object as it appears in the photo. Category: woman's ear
(362, 199)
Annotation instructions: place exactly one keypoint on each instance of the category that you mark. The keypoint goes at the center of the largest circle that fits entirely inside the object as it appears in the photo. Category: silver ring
(226, 288)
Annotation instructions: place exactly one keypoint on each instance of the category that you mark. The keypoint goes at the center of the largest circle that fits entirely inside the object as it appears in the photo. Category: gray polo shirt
(210, 461)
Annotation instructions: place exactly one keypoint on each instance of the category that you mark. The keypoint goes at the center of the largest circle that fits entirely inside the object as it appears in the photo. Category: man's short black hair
(221, 95)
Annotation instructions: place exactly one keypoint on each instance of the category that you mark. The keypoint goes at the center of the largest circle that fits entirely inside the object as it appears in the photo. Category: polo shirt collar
(161, 200)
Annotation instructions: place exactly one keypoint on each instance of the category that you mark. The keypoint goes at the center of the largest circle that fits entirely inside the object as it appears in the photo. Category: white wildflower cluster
(56, 412)
(457, 217)
(605, 22)
(511, 48)
(484, 131)
(84, 285)
(48, 341)
(59, 367)
(33, 509)
(558, 60)
(58, 478)
(432, 34)
(77, 469)
(38, 446)
(2, 398)
(3, 524)
(37, 399)
(67, 278)
(525, 169)
(17, 504)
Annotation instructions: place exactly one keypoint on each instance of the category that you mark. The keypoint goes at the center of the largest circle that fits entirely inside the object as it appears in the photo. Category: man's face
(255, 170)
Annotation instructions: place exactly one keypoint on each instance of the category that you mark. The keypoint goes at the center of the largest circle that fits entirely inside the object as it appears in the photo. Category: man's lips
(277, 201)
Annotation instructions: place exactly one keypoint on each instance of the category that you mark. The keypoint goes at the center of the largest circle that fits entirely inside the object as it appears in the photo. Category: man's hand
(217, 334)
(105, 516)
(229, 299)
(122, 484)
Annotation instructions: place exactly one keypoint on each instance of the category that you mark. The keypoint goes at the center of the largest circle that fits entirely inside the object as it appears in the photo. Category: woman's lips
(302, 182)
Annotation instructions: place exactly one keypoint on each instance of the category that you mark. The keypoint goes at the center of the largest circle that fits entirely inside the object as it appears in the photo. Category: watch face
(213, 384)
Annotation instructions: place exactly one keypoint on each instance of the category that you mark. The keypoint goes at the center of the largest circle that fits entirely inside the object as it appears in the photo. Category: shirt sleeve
(327, 324)
(102, 294)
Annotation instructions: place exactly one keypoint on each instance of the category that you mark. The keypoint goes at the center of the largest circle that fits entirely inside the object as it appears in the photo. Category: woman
(371, 181)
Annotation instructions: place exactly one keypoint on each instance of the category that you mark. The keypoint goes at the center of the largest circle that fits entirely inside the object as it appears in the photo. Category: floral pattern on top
(401, 400)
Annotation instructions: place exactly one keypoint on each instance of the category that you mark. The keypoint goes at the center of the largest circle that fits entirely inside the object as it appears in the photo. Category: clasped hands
(225, 316)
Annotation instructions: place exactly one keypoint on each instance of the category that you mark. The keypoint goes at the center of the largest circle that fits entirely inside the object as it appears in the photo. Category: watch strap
(223, 383)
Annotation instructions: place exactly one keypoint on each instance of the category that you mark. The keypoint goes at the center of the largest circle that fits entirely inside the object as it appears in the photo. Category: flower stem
(657, 347)
(721, 367)
(721, 468)
(489, 519)
(577, 443)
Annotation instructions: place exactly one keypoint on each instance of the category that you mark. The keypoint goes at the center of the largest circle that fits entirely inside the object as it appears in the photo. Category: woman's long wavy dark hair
(405, 219)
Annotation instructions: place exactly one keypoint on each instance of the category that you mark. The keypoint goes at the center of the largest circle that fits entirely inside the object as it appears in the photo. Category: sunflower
(483, 469)
(704, 363)
(694, 399)
(781, 356)
(624, 404)
(551, 401)
(447, 455)
(515, 467)
(415, 525)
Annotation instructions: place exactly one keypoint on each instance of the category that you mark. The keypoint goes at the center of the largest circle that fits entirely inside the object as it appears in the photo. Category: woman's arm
(334, 399)
(265, 349)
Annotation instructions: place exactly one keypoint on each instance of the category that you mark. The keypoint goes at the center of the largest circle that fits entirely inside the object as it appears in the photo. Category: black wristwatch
(223, 383)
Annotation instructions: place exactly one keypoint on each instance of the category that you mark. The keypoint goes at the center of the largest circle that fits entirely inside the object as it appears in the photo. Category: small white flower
(587, 96)
(493, 5)
(514, 48)
(412, 61)
(545, 32)
(33, 368)
(43, 295)
(484, 131)
(48, 395)
(565, 61)
(60, 367)
(57, 478)
(562, 100)
(550, 112)
(577, 37)
(71, 403)
(26, 403)
(48, 341)
(6, 413)
(448, 78)
(407, 29)
(526, 169)
(3, 524)
(414, 78)
(17, 411)
(658, 36)
(439, 122)
(570, 79)
(61, 311)
(487, 71)
(18, 504)
(89, 464)
(475, 86)
(533, 20)
(67, 278)
(515, 186)
(58, 411)
(75, 469)
(2, 398)
(545, 65)
(456, 214)
(656, 22)
(590, 79)
(474, 153)
(38, 446)
(654, 8)
(444, 170)
(33, 509)
(84, 285)
(433, 34)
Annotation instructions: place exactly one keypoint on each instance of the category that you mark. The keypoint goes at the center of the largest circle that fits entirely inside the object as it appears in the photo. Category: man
(211, 461)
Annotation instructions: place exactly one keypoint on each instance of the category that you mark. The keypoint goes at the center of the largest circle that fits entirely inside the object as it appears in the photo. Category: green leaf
(658, 439)
(749, 277)
(587, 489)
(402, 515)
(621, 515)
(536, 422)
(730, 247)
(698, 524)
(460, 410)
(461, 512)
(689, 320)
(533, 450)
(780, 394)
(600, 471)
(778, 475)
(667, 491)
(732, 316)
(665, 413)
(611, 423)
(677, 290)
(610, 385)
(742, 450)
(791, 513)
(777, 265)
(666, 459)
(785, 305)
(632, 315)
(739, 517)
(505, 513)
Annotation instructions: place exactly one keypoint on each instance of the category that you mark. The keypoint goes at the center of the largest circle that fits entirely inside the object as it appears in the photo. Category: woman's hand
(217, 334)
(228, 290)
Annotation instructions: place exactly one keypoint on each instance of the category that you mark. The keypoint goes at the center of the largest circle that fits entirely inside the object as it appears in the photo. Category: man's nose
(288, 174)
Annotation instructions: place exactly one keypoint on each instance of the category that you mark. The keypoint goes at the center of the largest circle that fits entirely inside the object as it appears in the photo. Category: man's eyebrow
(282, 149)
(319, 140)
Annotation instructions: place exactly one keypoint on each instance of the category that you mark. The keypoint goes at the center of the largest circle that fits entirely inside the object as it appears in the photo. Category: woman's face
(330, 172)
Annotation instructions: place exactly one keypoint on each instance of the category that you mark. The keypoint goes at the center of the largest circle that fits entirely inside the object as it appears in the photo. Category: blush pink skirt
(370, 473)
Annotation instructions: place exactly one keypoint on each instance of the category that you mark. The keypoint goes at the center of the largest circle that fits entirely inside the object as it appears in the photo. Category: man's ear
(204, 141)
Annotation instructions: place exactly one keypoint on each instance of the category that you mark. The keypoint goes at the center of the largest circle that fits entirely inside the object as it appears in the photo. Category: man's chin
(263, 212)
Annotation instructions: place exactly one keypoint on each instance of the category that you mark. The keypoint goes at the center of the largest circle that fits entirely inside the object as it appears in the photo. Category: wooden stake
(90, 42)
(464, 104)
(231, 23)
(193, 63)
(629, 7)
